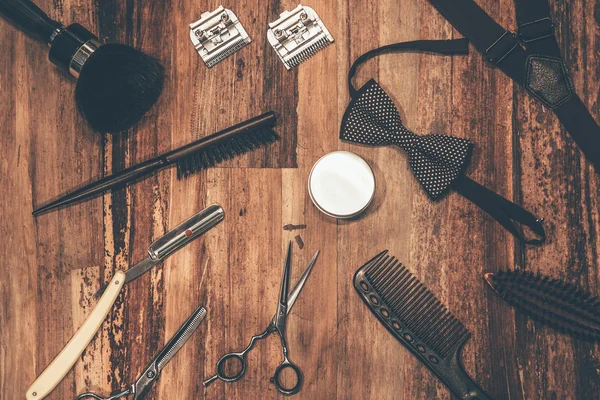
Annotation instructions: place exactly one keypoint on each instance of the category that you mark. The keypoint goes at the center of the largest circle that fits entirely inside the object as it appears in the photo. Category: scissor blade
(179, 338)
(300, 283)
(285, 279)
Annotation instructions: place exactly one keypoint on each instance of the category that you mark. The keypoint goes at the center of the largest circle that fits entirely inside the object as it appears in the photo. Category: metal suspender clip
(536, 30)
(502, 47)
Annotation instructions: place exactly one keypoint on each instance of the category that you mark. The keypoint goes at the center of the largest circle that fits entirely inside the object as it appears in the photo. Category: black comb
(418, 320)
(193, 157)
(550, 301)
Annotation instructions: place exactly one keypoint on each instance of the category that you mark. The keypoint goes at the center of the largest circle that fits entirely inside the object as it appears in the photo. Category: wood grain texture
(52, 265)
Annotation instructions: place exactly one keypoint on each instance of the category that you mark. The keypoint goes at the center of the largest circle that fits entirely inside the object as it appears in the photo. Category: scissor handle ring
(222, 364)
(299, 378)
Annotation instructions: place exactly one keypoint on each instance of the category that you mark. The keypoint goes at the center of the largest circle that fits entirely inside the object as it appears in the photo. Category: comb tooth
(373, 270)
(454, 335)
(379, 270)
(373, 261)
(416, 289)
(403, 282)
(447, 333)
(402, 294)
(432, 332)
(394, 283)
(385, 271)
(440, 336)
(430, 327)
(427, 317)
(390, 286)
(416, 303)
(460, 336)
(421, 311)
(388, 283)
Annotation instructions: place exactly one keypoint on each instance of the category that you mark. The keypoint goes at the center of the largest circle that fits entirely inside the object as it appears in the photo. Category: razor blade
(297, 35)
(217, 35)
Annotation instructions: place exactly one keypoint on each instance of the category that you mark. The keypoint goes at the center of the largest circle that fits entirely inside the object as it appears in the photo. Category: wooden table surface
(53, 264)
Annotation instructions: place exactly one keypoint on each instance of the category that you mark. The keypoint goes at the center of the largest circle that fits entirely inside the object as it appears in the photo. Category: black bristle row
(415, 306)
(551, 301)
(241, 143)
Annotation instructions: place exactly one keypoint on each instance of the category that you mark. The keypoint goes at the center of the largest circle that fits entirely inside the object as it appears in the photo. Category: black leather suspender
(538, 66)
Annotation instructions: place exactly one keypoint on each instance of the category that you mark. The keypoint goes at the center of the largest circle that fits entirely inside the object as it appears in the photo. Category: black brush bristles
(550, 301)
(117, 86)
(414, 305)
(239, 143)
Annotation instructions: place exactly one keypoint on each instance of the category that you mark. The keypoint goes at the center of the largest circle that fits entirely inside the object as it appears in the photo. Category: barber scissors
(277, 324)
(142, 385)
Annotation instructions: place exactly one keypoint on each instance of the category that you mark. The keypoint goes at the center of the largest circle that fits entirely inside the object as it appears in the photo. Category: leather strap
(448, 47)
(510, 215)
(502, 48)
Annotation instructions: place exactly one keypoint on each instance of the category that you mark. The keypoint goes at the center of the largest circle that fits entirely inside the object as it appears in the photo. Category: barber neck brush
(116, 84)
(550, 301)
(191, 158)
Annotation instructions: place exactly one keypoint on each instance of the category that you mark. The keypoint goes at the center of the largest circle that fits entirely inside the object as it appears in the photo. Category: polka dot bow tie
(437, 161)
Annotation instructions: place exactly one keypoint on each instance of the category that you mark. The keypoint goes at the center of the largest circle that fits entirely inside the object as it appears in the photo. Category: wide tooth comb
(550, 301)
(418, 320)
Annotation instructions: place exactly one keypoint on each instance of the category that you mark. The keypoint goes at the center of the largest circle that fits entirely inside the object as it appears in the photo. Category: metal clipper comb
(297, 35)
(217, 35)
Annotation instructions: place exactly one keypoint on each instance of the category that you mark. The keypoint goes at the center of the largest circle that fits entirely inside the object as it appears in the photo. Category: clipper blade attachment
(217, 35)
(297, 35)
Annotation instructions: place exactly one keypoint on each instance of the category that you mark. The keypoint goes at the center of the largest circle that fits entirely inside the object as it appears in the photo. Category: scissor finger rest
(278, 376)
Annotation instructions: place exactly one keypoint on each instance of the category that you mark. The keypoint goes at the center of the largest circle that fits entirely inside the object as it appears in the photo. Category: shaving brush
(116, 84)
(550, 301)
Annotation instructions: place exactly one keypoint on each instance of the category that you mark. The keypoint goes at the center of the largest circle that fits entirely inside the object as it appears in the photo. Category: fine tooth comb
(550, 301)
(217, 35)
(193, 157)
(297, 35)
(418, 320)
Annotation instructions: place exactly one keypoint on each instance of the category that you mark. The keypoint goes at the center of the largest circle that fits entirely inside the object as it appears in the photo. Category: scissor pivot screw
(150, 374)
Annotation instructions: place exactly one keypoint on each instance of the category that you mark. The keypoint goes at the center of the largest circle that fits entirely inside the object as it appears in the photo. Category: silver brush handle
(185, 232)
(28, 17)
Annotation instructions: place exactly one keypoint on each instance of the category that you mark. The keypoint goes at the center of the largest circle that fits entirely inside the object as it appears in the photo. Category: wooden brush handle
(64, 361)
(28, 17)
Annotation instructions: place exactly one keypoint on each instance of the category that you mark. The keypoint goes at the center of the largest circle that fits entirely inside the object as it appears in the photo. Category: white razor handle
(64, 361)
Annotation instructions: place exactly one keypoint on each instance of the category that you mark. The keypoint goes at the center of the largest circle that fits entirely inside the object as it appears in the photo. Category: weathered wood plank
(521, 152)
